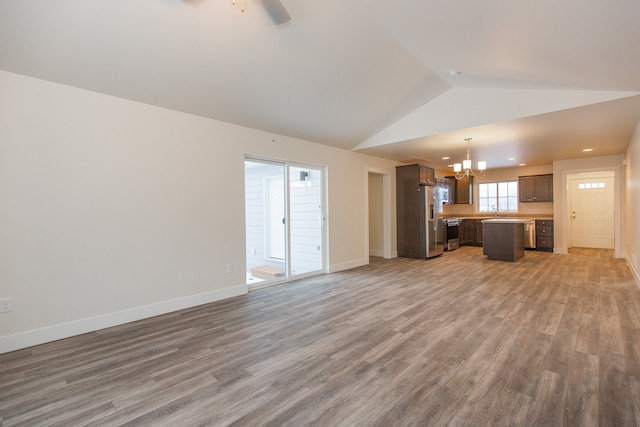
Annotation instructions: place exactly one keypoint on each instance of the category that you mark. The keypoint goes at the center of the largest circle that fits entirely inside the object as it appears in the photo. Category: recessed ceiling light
(586, 150)
(522, 164)
(454, 73)
(446, 158)
(512, 158)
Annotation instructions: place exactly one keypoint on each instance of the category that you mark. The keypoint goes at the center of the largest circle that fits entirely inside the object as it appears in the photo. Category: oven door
(453, 240)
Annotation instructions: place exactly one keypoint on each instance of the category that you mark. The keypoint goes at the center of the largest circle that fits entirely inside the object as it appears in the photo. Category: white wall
(632, 203)
(112, 210)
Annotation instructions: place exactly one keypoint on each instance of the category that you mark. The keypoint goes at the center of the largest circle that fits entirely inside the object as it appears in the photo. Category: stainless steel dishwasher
(530, 235)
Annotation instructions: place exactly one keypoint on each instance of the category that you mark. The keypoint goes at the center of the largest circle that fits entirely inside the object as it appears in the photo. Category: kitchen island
(503, 239)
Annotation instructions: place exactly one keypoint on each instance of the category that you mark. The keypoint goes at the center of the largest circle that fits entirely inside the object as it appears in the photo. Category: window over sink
(498, 196)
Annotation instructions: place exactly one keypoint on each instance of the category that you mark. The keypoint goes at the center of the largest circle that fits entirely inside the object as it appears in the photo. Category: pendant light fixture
(464, 169)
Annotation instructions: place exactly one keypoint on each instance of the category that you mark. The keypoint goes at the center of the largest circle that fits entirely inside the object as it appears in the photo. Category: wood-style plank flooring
(456, 340)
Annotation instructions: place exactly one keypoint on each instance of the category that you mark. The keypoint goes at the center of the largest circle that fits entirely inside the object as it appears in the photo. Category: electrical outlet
(5, 305)
(230, 268)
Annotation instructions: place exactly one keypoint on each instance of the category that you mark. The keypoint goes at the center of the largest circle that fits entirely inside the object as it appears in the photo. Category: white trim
(266, 284)
(65, 330)
(632, 262)
(373, 252)
(634, 272)
(348, 265)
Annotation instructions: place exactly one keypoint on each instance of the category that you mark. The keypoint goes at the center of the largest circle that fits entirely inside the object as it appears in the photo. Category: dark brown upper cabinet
(427, 175)
(535, 188)
(463, 193)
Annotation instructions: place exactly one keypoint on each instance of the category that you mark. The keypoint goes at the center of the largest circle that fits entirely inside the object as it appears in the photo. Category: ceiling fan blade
(277, 11)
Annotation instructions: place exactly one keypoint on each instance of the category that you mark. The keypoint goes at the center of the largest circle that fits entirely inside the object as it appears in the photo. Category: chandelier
(464, 169)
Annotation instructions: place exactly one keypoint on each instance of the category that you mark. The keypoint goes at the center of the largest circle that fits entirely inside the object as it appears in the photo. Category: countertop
(507, 220)
(485, 217)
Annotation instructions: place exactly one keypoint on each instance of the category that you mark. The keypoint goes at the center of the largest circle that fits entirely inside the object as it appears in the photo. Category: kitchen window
(498, 196)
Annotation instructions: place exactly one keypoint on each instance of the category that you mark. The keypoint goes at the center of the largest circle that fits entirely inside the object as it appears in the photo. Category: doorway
(376, 244)
(284, 221)
(591, 207)
(378, 214)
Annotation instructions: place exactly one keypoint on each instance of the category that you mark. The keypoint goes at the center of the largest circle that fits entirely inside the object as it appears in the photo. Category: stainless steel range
(452, 227)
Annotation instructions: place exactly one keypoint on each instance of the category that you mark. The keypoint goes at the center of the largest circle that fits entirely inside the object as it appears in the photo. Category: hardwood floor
(456, 340)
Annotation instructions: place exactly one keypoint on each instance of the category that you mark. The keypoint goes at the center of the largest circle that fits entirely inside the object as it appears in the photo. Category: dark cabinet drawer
(544, 242)
(544, 230)
(544, 235)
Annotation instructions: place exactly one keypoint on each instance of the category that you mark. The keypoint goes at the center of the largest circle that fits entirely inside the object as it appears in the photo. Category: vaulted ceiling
(537, 81)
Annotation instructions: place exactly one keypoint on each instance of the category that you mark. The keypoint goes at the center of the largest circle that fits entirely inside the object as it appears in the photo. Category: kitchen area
(439, 214)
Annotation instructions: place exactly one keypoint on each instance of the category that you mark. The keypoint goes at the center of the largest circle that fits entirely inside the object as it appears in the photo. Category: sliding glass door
(285, 222)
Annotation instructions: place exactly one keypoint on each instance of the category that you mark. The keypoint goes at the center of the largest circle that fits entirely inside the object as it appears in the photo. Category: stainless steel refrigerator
(434, 231)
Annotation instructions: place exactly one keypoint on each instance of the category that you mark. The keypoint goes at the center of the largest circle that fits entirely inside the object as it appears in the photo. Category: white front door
(592, 213)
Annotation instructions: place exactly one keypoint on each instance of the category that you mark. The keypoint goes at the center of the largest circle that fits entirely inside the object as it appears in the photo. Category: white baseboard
(373, 252)
(347, 265)
(634, 272)
(65, 330)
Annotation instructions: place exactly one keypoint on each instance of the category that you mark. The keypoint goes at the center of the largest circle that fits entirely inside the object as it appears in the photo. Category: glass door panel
(265, 209)
(305, 220)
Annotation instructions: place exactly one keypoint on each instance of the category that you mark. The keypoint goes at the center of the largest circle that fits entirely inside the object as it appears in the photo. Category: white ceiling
(539, 80)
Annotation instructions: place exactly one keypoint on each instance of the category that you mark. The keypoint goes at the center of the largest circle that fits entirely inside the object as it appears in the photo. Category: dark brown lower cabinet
(544, 235)
(471, 232)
